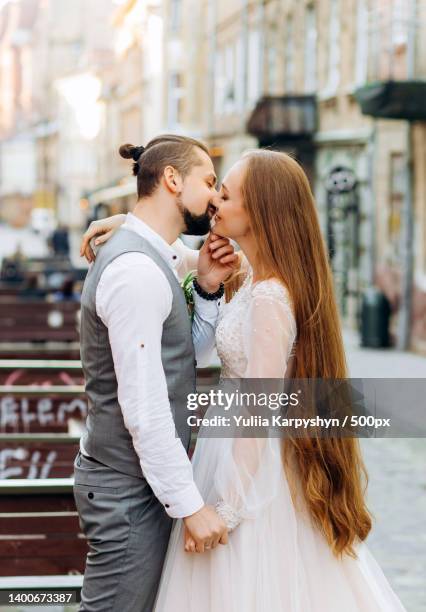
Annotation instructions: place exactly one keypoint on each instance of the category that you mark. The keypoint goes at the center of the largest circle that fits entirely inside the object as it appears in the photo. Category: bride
(295, 507)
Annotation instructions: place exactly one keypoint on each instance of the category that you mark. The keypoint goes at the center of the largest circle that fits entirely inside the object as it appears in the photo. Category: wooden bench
(39, 529)
(40, 351)
(69, 371)
(10, 289)
(41, 544)
(37, 456)
(41, 372)
(40, 539)
(38, 408)
(42, 396)
(54, 394)
(40, 426)
(38, 320)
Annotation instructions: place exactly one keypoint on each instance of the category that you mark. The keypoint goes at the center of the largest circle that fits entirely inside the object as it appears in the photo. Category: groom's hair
(160, 152)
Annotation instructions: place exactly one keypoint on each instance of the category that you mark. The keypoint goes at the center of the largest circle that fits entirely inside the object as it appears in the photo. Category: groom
(132, 473)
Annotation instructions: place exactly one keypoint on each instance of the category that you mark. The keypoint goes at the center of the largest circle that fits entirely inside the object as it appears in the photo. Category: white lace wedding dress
(276, 560)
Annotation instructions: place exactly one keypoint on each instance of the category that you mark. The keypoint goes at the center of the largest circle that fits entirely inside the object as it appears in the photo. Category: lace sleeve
(247, 478)
(270, 331)
(250, 469)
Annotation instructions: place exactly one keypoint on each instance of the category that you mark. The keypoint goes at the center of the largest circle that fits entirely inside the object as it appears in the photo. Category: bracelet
(208, 296)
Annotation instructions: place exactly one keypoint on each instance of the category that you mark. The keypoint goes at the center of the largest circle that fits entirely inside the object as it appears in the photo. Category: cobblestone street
(397, 486)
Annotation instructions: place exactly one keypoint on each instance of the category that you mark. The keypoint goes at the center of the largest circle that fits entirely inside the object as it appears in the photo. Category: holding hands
(204, 530)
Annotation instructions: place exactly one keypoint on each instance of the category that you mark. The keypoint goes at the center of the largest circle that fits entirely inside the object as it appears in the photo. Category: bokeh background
(339, 84)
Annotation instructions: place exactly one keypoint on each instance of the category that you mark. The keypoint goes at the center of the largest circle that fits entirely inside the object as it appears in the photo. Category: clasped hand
(204, 530)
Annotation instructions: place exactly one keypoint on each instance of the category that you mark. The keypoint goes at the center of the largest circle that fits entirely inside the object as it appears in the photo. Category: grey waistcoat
(107, 438)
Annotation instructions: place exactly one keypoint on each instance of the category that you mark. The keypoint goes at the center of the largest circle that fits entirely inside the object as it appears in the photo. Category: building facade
(313, 78)
(131, 99)
(50, 52)
(286, 74)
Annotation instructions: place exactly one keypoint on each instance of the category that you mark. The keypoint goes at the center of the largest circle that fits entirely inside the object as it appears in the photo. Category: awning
(393, 99)
(290, 117)
(112, 193)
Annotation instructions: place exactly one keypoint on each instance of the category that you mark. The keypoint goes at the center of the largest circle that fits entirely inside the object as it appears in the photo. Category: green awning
(393, 99)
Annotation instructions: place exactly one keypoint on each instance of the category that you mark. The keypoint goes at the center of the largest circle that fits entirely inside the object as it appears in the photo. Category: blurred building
(17, 144)
(131, 98)
(50, 51)
(337, 83)
(291, 75)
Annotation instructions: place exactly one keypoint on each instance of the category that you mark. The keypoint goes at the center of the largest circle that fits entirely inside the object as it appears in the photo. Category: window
(333, 47)
(272, 69)
(219, 83)
(175, 100)
(396, 200)
(175, 15)
(399, 22)
(253, 66)
(229, 93)
(226, 83)
(239, 76)
(423, 242)
(310, 50)
(361, 57)
(271, 59)
(289, 56)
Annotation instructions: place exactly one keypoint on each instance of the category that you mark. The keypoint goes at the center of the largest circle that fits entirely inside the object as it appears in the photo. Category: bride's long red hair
(329, 472)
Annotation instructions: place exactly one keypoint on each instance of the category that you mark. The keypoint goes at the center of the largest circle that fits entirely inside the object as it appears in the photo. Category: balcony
(281, 118)
(393, 99)
(392, 61)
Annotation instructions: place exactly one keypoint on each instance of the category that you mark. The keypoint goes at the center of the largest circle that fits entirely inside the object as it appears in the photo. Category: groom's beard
(195, 225)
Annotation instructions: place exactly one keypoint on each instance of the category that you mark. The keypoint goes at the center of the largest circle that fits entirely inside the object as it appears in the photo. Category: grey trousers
(127, 530)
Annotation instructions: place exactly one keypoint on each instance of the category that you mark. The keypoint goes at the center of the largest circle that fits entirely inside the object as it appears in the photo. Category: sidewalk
(397, 481)
(381, 363)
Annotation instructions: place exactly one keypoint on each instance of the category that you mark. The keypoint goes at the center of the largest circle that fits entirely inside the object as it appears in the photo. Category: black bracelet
(208, 296)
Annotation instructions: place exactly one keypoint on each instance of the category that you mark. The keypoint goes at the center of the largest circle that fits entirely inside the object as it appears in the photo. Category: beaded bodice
(234, 326)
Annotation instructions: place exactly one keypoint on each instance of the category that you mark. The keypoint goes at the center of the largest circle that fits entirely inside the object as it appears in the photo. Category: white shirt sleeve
(188, 258)
(134, 317)
(204, 328)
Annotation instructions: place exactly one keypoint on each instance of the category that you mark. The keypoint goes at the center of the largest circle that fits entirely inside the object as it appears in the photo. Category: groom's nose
(216, 201)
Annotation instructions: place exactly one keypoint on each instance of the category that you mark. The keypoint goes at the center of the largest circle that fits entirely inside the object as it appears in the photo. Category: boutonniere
(187, 290)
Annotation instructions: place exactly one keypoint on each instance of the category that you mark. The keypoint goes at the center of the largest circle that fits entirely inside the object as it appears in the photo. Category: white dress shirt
(135, 316)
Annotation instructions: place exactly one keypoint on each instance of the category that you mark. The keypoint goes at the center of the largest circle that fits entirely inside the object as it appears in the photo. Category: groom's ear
(172, 180)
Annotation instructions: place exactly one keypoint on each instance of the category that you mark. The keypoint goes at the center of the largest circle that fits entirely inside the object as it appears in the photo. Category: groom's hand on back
(206, 529)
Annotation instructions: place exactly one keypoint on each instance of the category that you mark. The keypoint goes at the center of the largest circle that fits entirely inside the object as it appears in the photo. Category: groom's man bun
(160, 152)
(129, 151)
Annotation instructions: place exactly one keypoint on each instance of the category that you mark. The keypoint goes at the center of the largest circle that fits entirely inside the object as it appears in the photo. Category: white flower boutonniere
(187, 290)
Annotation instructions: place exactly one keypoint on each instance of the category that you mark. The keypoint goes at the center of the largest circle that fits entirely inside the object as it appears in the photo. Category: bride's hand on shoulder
(101, 230)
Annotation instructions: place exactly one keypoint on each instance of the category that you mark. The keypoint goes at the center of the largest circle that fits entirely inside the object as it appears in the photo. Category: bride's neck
(248, 247)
